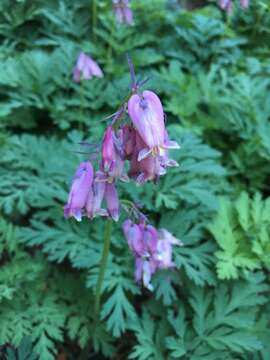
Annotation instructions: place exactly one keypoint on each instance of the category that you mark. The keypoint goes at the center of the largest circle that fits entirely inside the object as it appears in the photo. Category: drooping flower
(147, 116)
(150, 238)
(164, 249)
(144, 269)
(226, 5)
(129, 141)
(134, 236)
(244, 4)
(150, 167)
(108, 152)
(102, 189)
(152, 249)
(86, 68)
(112, 200)
(123, 13)
(94, 200)
(81, 185)
(112, 164)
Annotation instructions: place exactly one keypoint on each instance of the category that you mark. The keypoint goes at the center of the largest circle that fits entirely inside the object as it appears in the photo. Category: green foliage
(242, 231)
(212, 75)
(223, 321)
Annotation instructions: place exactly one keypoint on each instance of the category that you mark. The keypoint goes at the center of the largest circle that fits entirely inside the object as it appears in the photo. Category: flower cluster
(141, 140)
(227, 5)
(122, 11)
(151, 248)
(136, 136)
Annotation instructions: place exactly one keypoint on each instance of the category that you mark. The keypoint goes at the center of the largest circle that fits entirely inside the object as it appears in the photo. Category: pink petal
(147, 115)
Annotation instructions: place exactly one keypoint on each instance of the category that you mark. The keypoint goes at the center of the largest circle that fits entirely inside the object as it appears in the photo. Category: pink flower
(152, 249)
(150, 238)
(81, 185)
(164, 249)
(94, 200)
(123, 13)
(226, 5)
(129, 141)
(111, 197)
(134, 236)
(112, 165)
(144, 269)
(244, 3)
(147, 116)
(148, 167)
(108, 152)
(86, 68)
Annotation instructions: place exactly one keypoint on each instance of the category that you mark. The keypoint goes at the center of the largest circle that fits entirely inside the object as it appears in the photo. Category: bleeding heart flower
(81, 185)
(147, 116)
(86, 68)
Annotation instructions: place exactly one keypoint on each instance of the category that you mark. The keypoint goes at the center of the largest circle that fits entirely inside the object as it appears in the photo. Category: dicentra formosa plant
(137, 135)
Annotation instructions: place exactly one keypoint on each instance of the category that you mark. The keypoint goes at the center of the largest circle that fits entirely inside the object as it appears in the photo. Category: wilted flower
(86, 68)
(122, 11)
(81, 185)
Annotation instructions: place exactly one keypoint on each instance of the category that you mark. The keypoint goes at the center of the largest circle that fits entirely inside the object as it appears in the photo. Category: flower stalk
(103, 265)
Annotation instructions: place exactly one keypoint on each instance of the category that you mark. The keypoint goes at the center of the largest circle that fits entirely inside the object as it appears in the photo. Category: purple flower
(129, 141)
(147, 116)
(123, 13)
(244, 3)
(149, 167)
(94, 200)
(152, 249)
(226, 5)
(81, 185)
(86, 68)
(134, 236)
(108, 152)
(144, 170)
(164, 249)
(150, 238)
(144, 269)
(112, 165)
(102, 189)
(111, 197)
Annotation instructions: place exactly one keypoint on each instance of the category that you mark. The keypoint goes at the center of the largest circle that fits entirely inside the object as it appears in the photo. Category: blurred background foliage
(212, 74)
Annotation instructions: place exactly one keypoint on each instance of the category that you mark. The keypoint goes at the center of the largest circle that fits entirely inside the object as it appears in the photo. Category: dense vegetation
(211, 72)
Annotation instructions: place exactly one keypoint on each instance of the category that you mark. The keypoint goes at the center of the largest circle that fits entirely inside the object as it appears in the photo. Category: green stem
(103, 265)
(94, 15)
